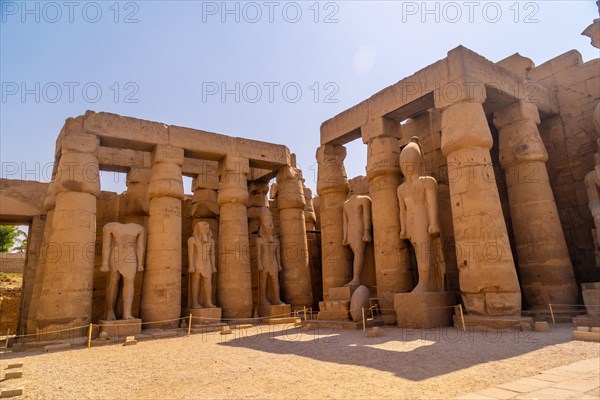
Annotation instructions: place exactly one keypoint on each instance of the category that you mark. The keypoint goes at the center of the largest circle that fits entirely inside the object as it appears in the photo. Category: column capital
(464, 125)
(233, 184)
(380, 127)
(167, 154)
(331, 173)
(458, 91)
(166, 180)
(234, 164)
(515, 112)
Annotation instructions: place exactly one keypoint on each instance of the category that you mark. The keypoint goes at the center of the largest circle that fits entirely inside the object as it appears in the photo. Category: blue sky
(168, 61)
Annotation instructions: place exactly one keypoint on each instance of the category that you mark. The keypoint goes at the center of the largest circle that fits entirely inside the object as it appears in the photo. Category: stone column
(332, 187)
(136, 197)
(66, 293)
(544, 263)
(205, 207)
(234, 290)
(392, 267)
(295, 277)
(258, 198)
(161, 289)
(137, 207)
(49, 205)
(488, 280)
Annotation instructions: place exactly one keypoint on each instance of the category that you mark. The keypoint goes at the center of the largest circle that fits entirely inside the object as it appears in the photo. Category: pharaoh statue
(356, 227)
(123, 249)
(201, 261)
(417, 197)
(268, 260)
(592, 186)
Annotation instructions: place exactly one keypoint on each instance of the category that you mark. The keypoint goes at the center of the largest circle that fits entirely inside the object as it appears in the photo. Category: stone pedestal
(487, 323)
(203, 316)
(424, 310)
(488, 280)
(120, 329)
(161, 292)
(591, 299)
(275, 311)
(544, 263)
(337, 305)
(392, 267)
(332, 187)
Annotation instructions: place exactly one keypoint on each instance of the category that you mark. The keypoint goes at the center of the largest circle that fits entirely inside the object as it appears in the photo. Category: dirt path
(284, 362)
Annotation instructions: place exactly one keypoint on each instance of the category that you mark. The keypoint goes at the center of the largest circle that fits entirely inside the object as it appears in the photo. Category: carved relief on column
(205, 208)
(161, 293)
(257, 200)
(332, 187)
(49, 205)
(66, 293)
(295, 277)
(488, 280)
(392, 267)
(544, 263)
(234, 290)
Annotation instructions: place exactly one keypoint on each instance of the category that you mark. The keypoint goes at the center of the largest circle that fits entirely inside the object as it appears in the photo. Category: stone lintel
(135, 134)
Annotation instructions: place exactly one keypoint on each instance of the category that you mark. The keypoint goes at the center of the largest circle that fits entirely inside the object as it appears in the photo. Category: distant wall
(12, 263)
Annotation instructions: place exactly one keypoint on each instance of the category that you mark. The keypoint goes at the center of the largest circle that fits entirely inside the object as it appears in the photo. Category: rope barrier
(306, 312)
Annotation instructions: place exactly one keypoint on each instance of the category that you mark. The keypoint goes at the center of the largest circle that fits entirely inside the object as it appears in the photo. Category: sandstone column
(205, 207)
(161, 289)
(488, 280)
(136, 196)
(66, 294)
(295, 277)
(257, 199)
(332, 187)
(234, 290)
(544, 264)
(392, 267)
(136, 211)
(49, 205)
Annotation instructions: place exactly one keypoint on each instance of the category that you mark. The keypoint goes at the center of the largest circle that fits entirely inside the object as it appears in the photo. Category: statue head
(411, 157)
(266, 223)
(202, 230)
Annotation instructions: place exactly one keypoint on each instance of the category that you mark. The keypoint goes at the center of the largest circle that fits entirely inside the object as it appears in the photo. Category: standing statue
(357, 231)
(269, 261)
(201, 264)
(592, 186)
(417, 197)
(123, 249)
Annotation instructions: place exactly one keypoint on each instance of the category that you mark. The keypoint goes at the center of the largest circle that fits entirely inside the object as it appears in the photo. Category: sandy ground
(284, 362)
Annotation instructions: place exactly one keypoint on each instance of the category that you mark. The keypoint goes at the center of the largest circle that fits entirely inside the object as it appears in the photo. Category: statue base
(274, 311)
(121, 328)
(424, 310)
(337, 305)
(203, 316)
(487, 322)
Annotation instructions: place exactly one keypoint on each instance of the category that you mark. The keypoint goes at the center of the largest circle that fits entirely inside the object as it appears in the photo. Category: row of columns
(488, 279)
(64, 281)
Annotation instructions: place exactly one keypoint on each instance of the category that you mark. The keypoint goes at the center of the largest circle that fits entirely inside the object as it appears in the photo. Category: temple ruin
(499, 214)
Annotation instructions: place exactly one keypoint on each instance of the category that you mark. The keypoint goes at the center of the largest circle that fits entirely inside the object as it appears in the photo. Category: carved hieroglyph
(123, 249)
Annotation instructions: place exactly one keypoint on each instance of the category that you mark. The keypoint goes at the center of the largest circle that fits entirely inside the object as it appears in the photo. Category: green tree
(9, 235)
